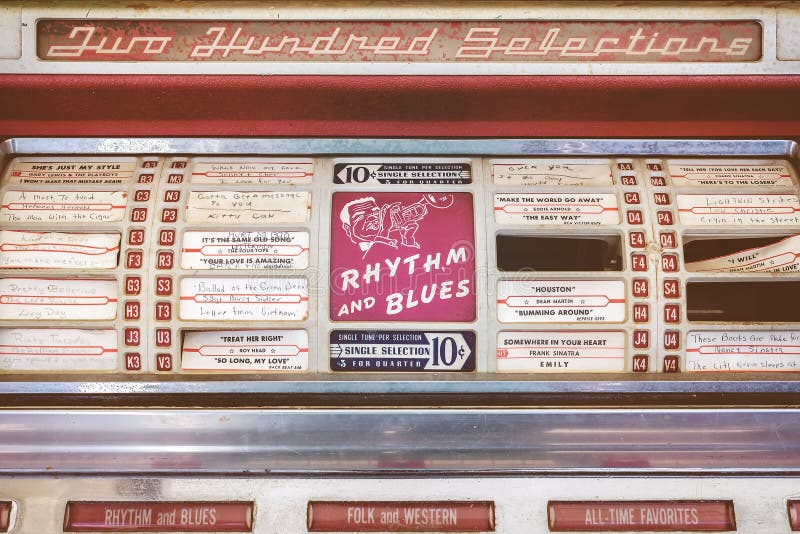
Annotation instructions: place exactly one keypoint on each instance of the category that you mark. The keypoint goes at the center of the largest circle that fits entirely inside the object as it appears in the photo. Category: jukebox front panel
(462, 505)
(496, 264)
(476, 267)
(343, 38)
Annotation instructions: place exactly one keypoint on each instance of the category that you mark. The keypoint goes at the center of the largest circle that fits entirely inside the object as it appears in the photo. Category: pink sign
(402, 257)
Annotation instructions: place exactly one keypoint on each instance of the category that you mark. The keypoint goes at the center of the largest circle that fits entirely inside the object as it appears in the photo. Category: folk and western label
(72, 170)
(561, 351)
(738, 350)
(63, 206)
(399, 41)
(244, 250)
(739, 209)
(402, 173)
(561, 301)
(245, 350)
(62, 349)
(253, 171)
(580, 209)
(641, 516)
(402, 351)
(402, 257)
(158, 516)
(56, 299)
(244, 299)
(21, 249)
(248, 207)
(558, 172)
(400, 516)
(780, 257)
(729, 173)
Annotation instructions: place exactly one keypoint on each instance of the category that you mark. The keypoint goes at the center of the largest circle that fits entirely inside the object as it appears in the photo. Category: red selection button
(145, 516)
(794, 515)
(400, 516)
(641, 516)
(5, 515)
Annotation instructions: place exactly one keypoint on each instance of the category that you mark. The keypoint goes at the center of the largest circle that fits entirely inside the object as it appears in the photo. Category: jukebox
(374, 267)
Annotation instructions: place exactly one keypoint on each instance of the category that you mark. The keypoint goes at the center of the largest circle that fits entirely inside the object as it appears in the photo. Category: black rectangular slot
(762, 302)
(705, 249)
(537, 253)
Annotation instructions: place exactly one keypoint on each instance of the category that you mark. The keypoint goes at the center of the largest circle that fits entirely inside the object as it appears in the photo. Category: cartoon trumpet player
(367, 224)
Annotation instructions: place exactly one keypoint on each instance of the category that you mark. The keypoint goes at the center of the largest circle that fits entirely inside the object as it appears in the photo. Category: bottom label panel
(561, 351)
(402, 351)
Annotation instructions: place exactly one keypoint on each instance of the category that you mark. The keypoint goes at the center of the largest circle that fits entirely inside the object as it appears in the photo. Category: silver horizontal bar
(426, 440)
(267, 385)
(344, 146)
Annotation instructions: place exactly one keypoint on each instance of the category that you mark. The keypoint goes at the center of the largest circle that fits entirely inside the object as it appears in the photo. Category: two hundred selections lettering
(434, 41)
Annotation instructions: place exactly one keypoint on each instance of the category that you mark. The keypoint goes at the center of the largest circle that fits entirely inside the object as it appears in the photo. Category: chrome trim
(356, 441)
(581, 387)
(346, 146)
(333, 386)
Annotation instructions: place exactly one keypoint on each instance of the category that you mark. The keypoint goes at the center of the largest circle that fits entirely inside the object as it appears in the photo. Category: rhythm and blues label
(402, 257)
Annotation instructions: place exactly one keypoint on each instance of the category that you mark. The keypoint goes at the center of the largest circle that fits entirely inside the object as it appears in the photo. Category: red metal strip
(420, 106)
